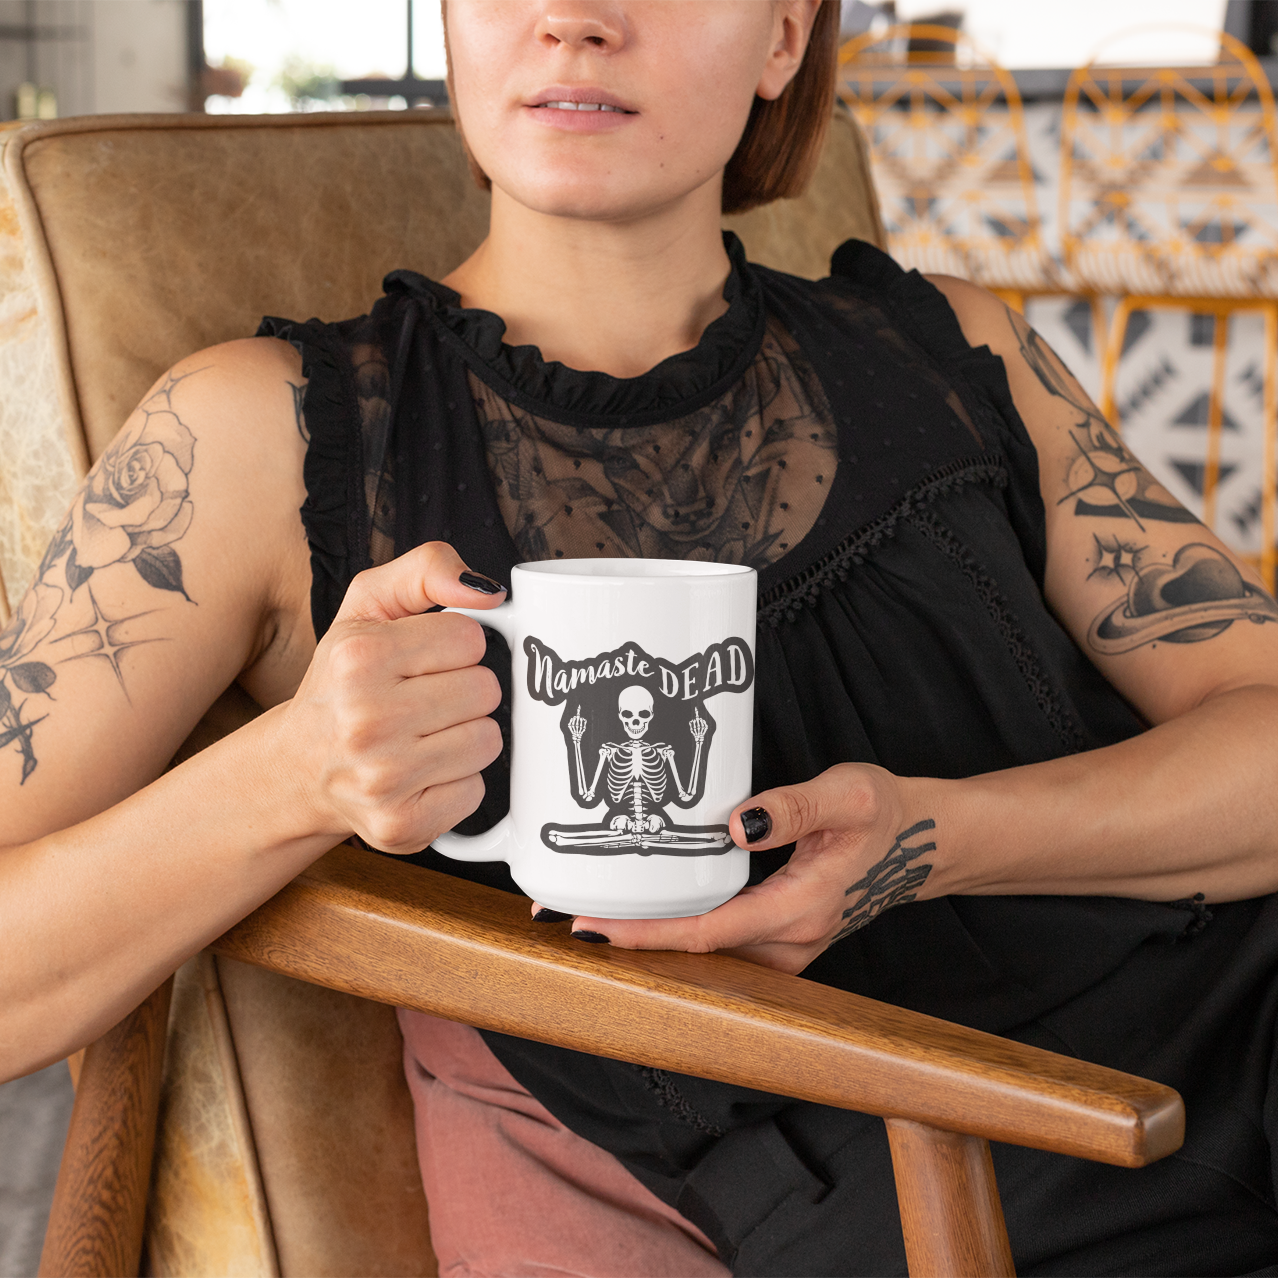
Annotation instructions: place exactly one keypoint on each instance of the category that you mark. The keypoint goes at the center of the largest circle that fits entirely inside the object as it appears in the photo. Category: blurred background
(1132, 214)
(83, 57)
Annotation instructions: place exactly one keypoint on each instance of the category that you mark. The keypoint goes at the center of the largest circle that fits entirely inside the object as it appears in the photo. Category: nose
(582, 24)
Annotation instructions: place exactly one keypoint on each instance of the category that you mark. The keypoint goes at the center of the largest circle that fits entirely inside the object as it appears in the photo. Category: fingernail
(550, 916)
(757, 824)
(485, 585)
(595, 938)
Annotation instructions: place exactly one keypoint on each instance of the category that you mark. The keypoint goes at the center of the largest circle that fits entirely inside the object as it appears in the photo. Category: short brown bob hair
(782, 142)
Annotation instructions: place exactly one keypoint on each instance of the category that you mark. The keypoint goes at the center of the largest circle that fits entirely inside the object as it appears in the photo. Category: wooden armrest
(398, 934)
(98, 1211)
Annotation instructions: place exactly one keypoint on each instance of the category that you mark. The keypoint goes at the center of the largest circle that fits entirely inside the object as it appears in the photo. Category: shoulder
(236, 396)
(246, 374)
(235, 411)
(244, 369)
(981, 315)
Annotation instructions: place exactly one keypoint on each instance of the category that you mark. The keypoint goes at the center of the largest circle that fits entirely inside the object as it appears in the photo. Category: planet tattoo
(1199, 595)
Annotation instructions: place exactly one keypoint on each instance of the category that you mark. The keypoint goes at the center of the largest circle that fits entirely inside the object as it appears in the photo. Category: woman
(1005, 681)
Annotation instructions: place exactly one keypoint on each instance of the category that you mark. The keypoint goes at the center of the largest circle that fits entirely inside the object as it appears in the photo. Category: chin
(586, 197)
(590, 206)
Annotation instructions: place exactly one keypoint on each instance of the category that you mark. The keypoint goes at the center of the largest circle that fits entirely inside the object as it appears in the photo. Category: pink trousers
(513, 1193)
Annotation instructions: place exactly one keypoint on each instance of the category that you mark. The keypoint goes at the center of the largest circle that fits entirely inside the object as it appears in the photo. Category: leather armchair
(251, 1117)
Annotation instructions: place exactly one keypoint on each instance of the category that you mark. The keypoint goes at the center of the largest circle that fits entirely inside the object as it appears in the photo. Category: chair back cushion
(128, 242)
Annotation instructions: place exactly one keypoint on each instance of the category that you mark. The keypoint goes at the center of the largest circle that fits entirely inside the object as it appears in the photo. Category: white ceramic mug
(632, 722)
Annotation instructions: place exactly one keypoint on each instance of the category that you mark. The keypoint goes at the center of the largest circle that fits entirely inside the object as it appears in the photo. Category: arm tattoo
(1197, 596)
(299, 398)
(1104, 477)
(133, 507)
(891, 881)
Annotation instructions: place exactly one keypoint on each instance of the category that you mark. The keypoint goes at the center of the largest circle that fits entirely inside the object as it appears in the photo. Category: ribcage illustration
(636, 761)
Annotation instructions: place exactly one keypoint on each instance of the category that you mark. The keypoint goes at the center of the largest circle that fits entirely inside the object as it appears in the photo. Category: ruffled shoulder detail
(678, 385)
(333, 466)
(922, 305)
(980, 377)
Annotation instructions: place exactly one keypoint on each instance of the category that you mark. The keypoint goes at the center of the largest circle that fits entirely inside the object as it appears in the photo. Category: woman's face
(613, 109)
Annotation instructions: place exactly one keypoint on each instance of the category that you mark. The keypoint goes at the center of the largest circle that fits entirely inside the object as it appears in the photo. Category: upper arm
(1162, 607)
(157, 590)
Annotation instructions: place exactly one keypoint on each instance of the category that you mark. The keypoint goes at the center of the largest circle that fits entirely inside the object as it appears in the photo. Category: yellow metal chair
(1169, 198)
(946, 132)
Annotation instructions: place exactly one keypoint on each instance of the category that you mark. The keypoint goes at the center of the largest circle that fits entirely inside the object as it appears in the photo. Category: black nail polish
(757, 824)
(485, 585)
(550, 916)
(595, 938)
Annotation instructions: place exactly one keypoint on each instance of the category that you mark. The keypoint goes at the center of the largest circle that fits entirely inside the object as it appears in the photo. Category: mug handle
(490, 845)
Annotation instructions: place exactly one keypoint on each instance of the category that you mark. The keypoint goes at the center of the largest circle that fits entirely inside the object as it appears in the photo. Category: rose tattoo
(133, 507)
(135, 504)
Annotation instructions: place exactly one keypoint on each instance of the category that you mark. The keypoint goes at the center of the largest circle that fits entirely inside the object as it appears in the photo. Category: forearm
(97, 915)
(1189, 806)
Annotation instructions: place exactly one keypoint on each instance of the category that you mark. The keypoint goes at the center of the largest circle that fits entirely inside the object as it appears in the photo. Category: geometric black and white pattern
(1164, 379)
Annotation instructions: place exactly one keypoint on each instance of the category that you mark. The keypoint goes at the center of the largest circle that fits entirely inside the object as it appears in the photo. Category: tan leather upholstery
(286, 1139)
(325, 1093)
(127, 242)
(147, 238)
(210, 1215)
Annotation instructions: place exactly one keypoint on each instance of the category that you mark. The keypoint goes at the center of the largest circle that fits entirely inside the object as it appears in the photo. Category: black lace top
(739, 480)
(842, 437)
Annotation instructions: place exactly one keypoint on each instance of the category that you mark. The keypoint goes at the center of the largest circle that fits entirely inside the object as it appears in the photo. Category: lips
(581, 106)
(561, 98)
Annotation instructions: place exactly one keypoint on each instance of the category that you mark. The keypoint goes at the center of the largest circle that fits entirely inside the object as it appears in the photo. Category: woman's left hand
(860, 849)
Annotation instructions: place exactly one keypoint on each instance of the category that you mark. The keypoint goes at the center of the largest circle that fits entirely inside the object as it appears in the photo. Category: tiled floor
(34, 1112)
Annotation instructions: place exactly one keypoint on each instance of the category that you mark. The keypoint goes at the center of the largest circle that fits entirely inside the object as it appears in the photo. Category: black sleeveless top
(902, 625)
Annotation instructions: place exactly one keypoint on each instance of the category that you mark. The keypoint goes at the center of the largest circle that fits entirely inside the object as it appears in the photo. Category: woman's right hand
(391, 721)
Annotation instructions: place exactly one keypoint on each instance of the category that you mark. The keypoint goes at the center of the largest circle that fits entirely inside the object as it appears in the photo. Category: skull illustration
(634, 708)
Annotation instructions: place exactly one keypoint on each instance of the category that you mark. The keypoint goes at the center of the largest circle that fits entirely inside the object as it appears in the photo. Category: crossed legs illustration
(637, 772)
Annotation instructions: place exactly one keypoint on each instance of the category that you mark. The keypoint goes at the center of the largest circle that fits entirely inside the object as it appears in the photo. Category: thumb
(426, 576)
(841, 797)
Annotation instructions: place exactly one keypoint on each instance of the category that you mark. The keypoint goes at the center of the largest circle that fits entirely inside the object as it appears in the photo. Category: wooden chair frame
(388, 931)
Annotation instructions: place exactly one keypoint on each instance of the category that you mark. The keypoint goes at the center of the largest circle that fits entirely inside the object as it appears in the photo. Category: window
(288, 55)
(1049, 33)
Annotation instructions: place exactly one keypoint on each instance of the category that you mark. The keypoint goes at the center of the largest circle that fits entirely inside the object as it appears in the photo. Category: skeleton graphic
(635, 774)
